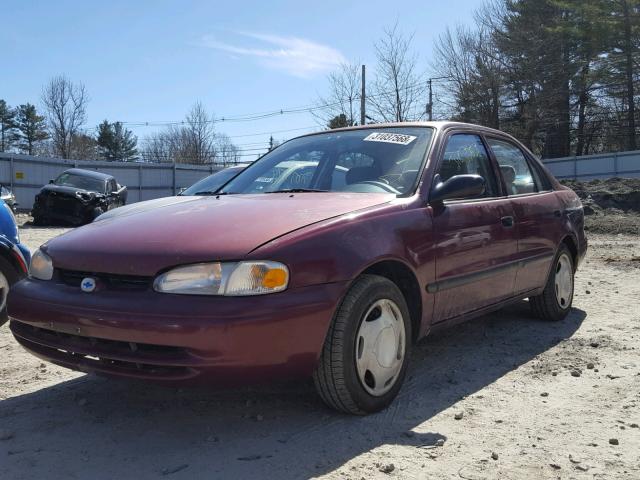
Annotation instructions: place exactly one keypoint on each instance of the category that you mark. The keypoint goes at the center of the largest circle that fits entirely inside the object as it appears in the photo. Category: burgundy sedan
(328, 257)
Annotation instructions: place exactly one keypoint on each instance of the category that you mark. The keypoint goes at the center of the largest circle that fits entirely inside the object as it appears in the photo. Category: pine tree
(7, 126)
(116, 143)
(31, 128)
(339, 121)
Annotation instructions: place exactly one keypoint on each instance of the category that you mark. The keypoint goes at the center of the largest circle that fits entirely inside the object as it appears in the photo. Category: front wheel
(554, 303)
(95, 213)
(364, 359)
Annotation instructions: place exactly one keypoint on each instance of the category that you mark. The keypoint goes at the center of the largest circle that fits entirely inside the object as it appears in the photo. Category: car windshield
(81, 182)
(212, 183)
(373, 160)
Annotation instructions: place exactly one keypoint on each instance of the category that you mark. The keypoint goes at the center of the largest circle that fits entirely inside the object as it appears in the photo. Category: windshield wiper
(297, 190)
(209, 192)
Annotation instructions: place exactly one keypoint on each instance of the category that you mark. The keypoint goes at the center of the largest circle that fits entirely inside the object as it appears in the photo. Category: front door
(474, 237)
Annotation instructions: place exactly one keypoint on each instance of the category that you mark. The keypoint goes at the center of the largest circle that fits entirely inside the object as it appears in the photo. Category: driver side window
(466, 154)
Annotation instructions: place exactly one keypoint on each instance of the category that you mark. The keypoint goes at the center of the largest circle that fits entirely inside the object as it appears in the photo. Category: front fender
(339, 249)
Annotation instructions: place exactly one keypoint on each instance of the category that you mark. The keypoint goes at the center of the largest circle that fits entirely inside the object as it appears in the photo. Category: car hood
(198, 229)
(61, 189)
(139, 207)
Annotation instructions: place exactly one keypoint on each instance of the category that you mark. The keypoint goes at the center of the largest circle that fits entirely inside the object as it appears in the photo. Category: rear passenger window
(518, 175)
(465, 154)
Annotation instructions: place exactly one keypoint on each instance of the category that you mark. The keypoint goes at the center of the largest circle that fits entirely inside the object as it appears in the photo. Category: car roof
(439, 125)
(89, 173)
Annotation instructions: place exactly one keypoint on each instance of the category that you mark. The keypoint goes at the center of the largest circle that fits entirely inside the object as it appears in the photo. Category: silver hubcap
(380, 346)
(4, 291)
(564, 281)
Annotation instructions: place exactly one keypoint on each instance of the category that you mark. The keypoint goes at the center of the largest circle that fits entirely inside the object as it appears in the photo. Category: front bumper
(64, 209)
(177, 338)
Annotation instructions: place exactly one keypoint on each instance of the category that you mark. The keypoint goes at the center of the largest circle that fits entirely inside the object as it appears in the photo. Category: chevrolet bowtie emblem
(88, 285)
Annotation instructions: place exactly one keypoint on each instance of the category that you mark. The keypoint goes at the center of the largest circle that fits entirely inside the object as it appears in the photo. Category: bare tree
(467, 60)
(201, 135)
(66, 105)
(156, 148)
(193, 141)
(84, 147)
(343, 97)
(227, 151)
(398, 92)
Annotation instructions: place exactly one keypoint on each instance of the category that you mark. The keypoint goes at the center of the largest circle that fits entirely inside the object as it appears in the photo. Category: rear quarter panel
(573, 220)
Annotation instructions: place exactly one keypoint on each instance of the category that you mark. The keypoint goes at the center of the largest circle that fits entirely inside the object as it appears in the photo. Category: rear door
(537, 213)
(474, 237)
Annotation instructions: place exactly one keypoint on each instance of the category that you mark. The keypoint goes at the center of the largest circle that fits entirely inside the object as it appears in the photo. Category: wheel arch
(572, 245)
(405, 279)
(10, 255)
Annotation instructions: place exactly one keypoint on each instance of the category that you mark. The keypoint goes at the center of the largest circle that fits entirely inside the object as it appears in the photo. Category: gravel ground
(503, 396)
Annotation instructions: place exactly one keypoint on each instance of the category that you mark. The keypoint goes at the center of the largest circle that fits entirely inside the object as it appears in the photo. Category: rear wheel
(365, 355)
(8, 276)
(554, 303)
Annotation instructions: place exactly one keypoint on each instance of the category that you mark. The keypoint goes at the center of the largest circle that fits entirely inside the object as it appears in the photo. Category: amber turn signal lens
(274, 278)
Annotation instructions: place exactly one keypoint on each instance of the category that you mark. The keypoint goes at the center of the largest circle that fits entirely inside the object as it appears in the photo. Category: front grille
(63, 204)
(73, 278)
(107, 356)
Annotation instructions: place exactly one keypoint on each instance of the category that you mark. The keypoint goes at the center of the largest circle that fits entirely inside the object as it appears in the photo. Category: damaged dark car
(77, 197)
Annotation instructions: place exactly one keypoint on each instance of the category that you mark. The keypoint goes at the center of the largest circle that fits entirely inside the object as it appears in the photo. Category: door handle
(507, 221)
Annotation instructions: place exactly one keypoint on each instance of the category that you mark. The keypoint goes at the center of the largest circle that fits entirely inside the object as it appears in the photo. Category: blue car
(14, 256)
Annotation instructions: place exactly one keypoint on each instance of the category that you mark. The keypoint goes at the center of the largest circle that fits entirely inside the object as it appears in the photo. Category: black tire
(12, 276)
(39, 221)
(96, 213)
(548, 305)
(336, 377)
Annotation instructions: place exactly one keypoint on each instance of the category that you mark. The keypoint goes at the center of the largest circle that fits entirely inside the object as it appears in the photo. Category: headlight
(231, 279)
(41, 266)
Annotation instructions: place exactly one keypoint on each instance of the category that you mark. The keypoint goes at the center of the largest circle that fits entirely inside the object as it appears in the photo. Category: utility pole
(430, 104)
(363, 99)
(271, 143)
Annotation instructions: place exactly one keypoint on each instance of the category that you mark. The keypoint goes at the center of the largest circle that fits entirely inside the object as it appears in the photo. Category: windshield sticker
(397, 138)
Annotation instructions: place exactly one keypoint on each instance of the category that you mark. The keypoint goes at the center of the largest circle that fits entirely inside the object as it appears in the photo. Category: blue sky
(149, 61)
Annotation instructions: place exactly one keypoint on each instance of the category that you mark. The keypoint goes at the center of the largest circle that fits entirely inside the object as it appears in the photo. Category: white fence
(590, 167)
(26, 174)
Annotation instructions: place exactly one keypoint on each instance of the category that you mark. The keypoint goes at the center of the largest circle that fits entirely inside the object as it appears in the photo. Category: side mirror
(458, 186)
(50, 181)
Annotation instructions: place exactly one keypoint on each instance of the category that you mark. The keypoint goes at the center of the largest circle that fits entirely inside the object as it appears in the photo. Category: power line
(272, 113)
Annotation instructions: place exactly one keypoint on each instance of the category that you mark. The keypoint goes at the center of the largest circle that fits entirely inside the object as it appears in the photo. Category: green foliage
(339, 121)
(116, 143)
(7, 126)
(31, 128)
(561, 75)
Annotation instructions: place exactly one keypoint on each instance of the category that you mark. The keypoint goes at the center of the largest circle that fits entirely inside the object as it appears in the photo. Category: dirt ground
(505, 396)
(611, 206)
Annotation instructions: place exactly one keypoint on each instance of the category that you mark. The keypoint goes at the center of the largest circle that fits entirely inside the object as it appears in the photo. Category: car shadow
(98, 428)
